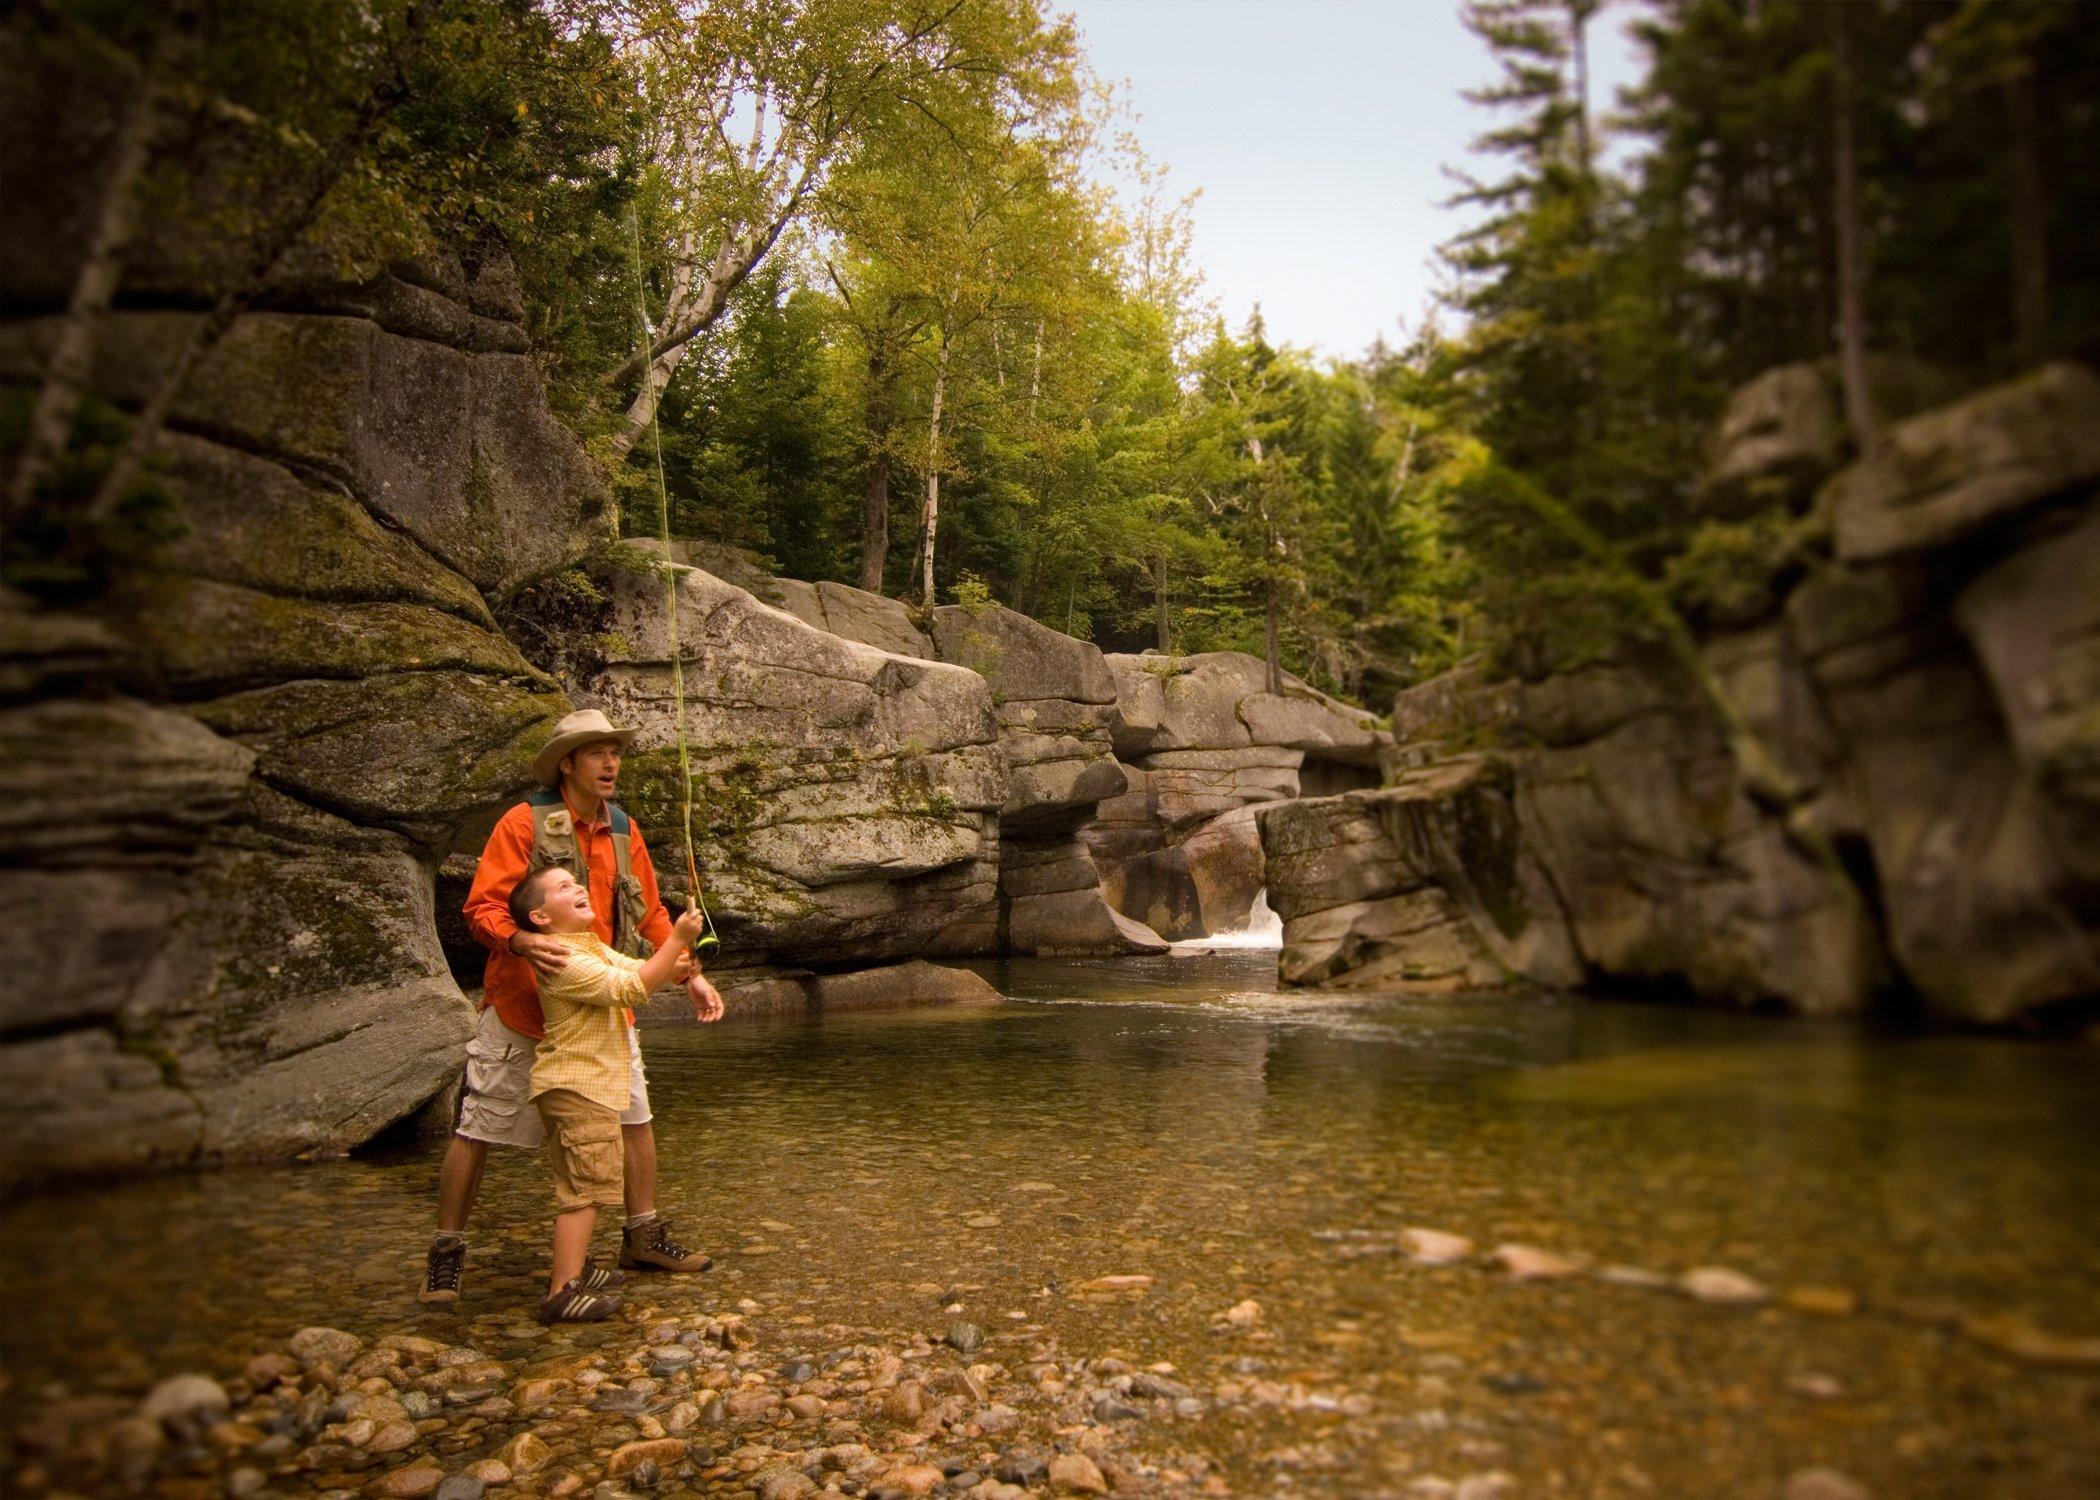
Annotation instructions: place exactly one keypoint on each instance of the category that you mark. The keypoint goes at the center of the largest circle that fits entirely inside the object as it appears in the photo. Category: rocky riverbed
(1159, 1224)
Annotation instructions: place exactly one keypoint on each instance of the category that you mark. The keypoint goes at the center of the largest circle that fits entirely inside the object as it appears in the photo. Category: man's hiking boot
(441, 1279)
(576, 1303)
(649, 1247)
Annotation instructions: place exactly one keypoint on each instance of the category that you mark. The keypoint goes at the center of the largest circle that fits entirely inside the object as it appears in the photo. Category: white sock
(636, 1221)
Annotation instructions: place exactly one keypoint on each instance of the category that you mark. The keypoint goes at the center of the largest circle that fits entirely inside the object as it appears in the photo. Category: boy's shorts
(497, 1104)
(586, 1139)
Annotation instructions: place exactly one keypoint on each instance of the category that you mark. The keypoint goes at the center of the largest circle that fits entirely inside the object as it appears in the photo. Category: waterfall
(1263, 929)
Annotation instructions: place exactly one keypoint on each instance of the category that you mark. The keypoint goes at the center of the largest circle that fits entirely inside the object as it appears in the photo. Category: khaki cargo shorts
(586, 1137)
(497, 1104)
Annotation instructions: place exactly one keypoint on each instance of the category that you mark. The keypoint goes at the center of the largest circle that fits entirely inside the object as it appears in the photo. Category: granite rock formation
(1930, 698)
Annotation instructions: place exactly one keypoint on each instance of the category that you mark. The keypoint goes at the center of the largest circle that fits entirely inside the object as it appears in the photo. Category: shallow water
(1177, 1118)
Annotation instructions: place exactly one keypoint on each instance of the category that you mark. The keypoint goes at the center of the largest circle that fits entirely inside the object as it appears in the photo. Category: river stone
(1718, 1284)
(1823, 1484)
(1077, 1473)
(1943, 475)
(1530, 1263)
(413, 1480)
(1435, 1247)
(525, 1454)
(663, 1452)
(461, 1487)
(318, 1345)
(185, 1404)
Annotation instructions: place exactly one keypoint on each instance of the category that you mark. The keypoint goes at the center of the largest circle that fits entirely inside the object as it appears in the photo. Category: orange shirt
(508, 982)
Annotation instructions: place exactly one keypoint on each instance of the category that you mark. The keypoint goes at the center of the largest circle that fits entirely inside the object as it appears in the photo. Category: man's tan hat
(584, 727)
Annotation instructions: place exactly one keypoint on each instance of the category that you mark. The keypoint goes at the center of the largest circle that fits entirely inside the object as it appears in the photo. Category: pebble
(1435, 1247)
(1530, 1263)
(663, 1452)
(1635, 1276)
(1822, 1301)
(1115, 1284)
(781, 1482)
(525, 1454)
(332, 1346)
(460, 1487)
(910, 1479)
(1823, 1484)
(1722, 1287)
(1244, 1314)
(414, 1480)
(490, 1471)
(245, 1482)
(185, 1405)
(967, 1338)
(2031, 1345)
(393, 1437)
(1078, 1473)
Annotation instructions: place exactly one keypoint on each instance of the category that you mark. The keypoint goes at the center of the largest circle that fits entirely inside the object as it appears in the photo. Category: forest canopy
(908, 307)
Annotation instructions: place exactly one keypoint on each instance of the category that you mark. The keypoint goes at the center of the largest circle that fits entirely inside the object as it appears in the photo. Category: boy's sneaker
(576, 1303)
(597, 1278)
(649, 1247)
(441, 1279)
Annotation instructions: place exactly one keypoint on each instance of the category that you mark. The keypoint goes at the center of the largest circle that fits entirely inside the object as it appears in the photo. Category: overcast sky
(1317, 130)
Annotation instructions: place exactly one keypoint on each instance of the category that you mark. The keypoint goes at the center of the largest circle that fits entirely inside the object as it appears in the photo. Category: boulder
(1784, 432)
(1203, 741)
(846, 799)
(1055, 702)
(455, 448)
(1940, 477)
(275, 714)
(801, 992)
(2033, 621)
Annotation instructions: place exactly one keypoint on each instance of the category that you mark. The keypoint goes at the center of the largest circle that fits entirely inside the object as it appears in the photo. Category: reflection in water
(1178, 1118)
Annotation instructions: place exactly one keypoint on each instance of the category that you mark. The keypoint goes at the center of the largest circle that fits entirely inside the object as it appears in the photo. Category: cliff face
(1931, 690)
(245, 754)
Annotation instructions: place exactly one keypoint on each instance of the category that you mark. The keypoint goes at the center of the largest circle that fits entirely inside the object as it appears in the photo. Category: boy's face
(564, 904)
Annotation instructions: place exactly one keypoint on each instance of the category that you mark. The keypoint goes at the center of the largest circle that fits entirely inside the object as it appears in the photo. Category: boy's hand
(688, 927)
(547, 955)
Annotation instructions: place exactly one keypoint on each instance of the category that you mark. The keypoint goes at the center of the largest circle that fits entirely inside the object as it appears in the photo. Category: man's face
(593, 770)
(564, 902)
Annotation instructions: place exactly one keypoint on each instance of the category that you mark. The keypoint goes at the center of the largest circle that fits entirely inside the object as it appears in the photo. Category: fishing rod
(707, 942)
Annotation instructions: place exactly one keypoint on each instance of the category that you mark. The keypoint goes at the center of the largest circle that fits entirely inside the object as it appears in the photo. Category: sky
(1317, 131)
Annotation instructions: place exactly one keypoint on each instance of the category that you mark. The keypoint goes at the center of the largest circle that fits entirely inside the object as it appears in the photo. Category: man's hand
(547, 955)
(707, 1004)
(684, 966)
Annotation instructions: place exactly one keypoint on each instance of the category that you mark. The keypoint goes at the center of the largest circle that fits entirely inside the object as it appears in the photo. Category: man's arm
(656, 922)
(503, 865)
(504, 861)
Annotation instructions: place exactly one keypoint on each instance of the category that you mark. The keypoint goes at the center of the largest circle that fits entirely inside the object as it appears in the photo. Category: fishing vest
(557, 845)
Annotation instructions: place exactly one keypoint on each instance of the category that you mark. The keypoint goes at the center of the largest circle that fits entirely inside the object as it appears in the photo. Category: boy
(580, 1081)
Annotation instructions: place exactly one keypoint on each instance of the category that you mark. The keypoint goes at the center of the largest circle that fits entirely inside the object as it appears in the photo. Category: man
(571, 822)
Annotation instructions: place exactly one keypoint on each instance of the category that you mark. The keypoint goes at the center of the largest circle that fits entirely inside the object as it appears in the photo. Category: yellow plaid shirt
(586, 1004)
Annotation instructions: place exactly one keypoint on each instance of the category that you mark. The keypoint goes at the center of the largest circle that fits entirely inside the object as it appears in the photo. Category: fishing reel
(707, 943)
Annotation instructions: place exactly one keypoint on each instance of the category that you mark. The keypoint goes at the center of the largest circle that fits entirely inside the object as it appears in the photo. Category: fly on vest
(558, 846)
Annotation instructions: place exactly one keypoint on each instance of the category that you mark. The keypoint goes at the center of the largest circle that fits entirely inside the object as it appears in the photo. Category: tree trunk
(875, 498)
(1272, 645)
(1852, 324)
(1162, 617)
(1035, 374)
(72, 355)
(1578, 39)
(930, 523)
(2027, 219)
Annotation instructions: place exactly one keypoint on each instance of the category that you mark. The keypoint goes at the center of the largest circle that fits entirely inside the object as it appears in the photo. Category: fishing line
(707, 938)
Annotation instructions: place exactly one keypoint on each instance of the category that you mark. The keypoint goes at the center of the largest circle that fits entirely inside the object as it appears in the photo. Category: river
(1177, 1119)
